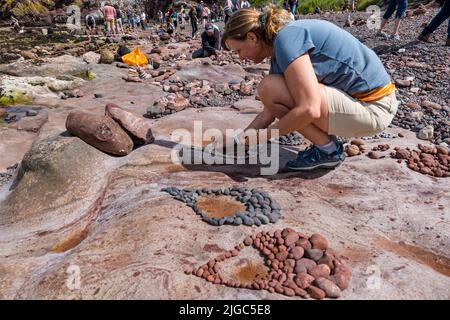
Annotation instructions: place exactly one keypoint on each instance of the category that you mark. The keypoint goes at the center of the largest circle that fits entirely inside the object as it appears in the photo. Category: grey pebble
(263, 219)
(257, 221)
(248, 221)
(237, 221)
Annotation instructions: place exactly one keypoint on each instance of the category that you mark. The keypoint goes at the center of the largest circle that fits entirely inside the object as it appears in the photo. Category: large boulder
(91, 57)
(99, 131)
(106, 56)
(23, 90)
(54, 179)
(52, 67)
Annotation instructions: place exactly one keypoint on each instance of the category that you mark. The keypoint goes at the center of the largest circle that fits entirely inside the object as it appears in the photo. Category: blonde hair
(265, 25)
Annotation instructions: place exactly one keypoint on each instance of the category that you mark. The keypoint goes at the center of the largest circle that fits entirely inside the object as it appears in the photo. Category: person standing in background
(245, 5)
(293, 6)
(399, 15)
(194, 20)
(143, 22)
(119, 25)
(439, 18)
(109, 12)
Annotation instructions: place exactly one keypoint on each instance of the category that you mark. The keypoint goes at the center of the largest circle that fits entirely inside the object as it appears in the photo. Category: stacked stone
(260, 207)
(381, 147)
(356, 147)
(429, 160)
(291, 139)
(298, 265)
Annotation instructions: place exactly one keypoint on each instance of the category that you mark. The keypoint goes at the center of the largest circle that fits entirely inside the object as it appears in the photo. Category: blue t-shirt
(338, 58)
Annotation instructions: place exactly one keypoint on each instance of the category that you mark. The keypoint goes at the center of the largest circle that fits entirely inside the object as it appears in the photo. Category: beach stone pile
(420, 72)
(376, 151)
(200, 94)
(260, 207)
(430, 120)
(298, 265)
(428, 160)
(356, 147)
(291, 139)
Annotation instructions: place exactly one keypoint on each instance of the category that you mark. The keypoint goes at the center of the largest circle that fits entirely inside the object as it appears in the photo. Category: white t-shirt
(245, 5)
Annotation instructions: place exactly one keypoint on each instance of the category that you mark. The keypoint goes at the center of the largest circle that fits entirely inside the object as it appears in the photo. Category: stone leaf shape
(326, 276)
(260, 207)
(138, 128)
(99, 131)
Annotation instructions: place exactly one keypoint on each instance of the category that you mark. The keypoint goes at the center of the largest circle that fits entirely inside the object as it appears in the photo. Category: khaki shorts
(349, 117)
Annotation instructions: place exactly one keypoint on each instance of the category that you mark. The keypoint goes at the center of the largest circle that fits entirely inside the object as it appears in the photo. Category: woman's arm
(261, 121)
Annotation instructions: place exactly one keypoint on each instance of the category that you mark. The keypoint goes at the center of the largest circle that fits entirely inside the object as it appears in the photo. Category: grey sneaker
(383, 34)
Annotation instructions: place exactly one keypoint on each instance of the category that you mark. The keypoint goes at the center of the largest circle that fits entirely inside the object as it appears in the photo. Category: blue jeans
(401, 9)
(294, 8)
(440, 17)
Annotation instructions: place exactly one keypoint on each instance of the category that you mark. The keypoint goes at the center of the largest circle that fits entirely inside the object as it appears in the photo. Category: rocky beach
(134, 224)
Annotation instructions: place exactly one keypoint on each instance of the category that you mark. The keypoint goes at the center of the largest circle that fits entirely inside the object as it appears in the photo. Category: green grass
(13, 98)
(363, 4)
(308, 6)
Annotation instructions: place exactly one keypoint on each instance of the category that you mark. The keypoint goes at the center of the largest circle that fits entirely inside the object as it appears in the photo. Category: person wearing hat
(210, 42)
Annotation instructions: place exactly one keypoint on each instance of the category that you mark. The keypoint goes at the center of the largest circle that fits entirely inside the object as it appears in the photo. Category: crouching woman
(323, 82)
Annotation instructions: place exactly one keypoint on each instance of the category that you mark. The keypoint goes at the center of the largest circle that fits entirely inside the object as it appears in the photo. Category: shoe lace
(305, 152)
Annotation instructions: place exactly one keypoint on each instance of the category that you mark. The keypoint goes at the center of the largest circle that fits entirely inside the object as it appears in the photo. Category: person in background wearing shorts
(399, 15)
(109, 12)
(323, 83)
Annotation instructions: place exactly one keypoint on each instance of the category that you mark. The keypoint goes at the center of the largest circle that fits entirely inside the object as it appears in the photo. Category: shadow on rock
(241, 172)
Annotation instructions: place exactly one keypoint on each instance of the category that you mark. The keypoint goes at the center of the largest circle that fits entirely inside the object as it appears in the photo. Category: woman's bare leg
(277, 99)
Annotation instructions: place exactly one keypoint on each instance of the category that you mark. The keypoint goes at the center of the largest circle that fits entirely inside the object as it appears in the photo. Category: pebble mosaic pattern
(291, 139)
(260, 207)
(298, 265)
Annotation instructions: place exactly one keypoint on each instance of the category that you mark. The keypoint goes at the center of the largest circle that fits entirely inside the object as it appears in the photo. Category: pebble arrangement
(419, 118)
(291, 139)
(381, 135)
(298, 265)
(429, 160)
(356, 147)
(200, 94)
(260, 207)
